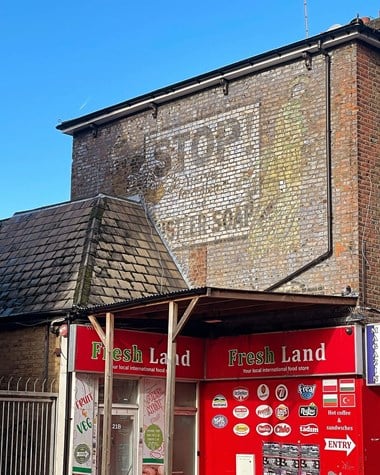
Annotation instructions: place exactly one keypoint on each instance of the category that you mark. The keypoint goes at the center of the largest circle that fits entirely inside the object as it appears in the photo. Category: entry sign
(341, 445)
(373, 354)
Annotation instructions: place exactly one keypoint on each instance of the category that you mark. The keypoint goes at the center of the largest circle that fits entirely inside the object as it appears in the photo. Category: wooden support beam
(107, 339)
(108, 380)
(170, 388)
(98, 329)
(185, 316)
(174, 328)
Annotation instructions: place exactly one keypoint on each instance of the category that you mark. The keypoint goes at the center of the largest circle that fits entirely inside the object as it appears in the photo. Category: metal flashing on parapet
(154, 109)
(308, 60)
(225, 85)
(94, 129)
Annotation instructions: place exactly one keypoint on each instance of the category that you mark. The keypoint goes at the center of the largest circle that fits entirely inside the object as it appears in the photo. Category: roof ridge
(129, 199)
(83, 287)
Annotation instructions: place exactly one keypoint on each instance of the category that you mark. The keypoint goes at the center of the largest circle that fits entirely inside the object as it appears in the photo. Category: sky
(62, 60)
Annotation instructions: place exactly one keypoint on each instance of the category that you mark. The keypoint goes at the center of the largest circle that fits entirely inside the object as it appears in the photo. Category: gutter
(353, 32)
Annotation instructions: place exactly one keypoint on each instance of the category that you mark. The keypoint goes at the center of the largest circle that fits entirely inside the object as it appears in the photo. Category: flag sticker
(347, 385)
(330, 385)
(330, 400)
(347, 400)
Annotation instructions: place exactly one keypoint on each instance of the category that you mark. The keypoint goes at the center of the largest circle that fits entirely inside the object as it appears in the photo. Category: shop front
(288, 403)
(138, 402)
(281, 403)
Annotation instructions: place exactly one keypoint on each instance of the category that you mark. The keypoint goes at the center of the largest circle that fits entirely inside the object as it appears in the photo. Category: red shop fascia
(281, 403)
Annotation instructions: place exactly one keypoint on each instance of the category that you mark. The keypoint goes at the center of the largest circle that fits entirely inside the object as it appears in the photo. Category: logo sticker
(219, 421)
(281, 392)
(263, 392)
(308, 411)
(264, 429)
(282, 429)
(240, 412)
(264, 411)
(241, 430)
(82, 453)
(219, 401)
(309, 429)
(306, 391)
(281, 412)
(240, 394)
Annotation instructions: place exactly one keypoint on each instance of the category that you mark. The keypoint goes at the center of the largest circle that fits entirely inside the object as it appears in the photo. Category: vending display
(282, 403)
(307, 426)
(290, 459)
(293, 400)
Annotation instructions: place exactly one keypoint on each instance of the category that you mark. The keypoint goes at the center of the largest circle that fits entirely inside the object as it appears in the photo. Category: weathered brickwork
(238, 183)
(368, 123)
(35, 355)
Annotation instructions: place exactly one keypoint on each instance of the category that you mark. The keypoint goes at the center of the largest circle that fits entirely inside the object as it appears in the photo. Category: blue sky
(62, 60)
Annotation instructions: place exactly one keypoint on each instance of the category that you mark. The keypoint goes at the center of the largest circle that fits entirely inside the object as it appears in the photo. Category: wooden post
(108, 379)
(107, 340)
(170, 388)
(174, 328)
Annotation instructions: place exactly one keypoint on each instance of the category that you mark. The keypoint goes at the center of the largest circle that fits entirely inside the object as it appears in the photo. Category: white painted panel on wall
(245, 464)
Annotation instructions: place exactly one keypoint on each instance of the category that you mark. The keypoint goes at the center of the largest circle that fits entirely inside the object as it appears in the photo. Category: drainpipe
(47, 355)
(67, 430)
(329, 213)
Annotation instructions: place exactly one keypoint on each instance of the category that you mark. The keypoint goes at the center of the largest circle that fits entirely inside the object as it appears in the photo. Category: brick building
(260, 177)
(54, 260)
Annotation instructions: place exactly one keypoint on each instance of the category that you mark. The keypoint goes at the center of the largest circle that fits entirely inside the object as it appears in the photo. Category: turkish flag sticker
(347, 400)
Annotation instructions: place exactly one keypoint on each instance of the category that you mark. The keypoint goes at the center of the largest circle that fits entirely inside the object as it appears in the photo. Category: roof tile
(56, 257)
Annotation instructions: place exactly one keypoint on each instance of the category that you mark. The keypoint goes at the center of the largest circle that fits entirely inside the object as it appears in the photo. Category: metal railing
(27, 426)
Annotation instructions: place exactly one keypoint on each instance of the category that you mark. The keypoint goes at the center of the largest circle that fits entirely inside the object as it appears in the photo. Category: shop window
(186, 395)
(124, 391)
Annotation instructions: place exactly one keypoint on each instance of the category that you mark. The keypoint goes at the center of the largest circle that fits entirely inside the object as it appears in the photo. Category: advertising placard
(84, 421)
(292, 426)
(136, 353)
(372, 351)
(153, 424)
(291, 353)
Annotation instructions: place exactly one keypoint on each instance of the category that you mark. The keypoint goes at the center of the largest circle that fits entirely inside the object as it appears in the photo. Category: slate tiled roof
(91, 252)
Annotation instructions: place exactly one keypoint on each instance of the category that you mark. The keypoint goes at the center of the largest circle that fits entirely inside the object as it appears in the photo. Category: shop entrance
(124, 441)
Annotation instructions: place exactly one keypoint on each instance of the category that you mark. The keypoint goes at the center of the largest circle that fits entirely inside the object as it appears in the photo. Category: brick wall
(34, 358)
(368, 124)
(237, 183)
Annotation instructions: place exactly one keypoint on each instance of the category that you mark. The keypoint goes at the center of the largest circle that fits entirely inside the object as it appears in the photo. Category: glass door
(124, 436)
(185, 419)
